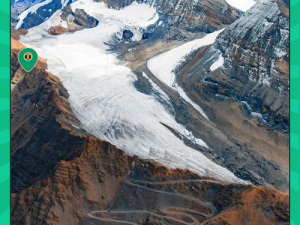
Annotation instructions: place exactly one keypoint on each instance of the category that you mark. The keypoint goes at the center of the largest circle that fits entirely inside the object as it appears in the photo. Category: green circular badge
(28, 59)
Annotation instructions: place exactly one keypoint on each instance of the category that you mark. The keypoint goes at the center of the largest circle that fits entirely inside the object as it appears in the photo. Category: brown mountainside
(62, 175)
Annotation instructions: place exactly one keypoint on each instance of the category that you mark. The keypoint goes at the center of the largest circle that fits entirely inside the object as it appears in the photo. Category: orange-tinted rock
(57, 30)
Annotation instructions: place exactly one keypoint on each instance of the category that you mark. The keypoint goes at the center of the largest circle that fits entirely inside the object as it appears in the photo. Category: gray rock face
(255, 49)
(79, 17)
(248, 97)
(256, 53)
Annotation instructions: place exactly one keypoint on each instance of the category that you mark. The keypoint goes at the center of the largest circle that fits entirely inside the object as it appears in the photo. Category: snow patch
(64, 24)
(218, 63)
(266, 81)
(242, 5)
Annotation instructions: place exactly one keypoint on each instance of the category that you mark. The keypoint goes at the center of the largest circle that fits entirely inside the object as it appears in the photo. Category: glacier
(102, 91)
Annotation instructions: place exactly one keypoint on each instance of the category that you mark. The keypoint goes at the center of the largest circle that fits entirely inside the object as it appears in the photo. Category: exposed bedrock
(248, 97)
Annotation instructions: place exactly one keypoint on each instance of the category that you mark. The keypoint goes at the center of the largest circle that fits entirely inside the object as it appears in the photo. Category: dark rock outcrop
(79, 17)
(127, 34)
(75, 21)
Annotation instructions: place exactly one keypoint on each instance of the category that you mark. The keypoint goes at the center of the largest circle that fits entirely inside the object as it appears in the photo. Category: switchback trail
(172, 214)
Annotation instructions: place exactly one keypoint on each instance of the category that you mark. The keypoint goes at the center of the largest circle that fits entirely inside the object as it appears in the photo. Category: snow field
(103, 95)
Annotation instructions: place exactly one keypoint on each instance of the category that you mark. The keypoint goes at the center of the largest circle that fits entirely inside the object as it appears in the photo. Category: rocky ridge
(74, 21)
(255, 50)
(180, 20)
(256, 54)
(247, 96)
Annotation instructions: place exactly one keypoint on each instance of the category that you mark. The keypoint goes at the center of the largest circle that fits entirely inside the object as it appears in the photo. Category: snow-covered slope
(163, 65)
(218, 63)
(102, 92)
(243, 5)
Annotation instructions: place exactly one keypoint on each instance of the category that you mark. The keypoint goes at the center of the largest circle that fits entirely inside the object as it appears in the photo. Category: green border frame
(294, 112)
(5, 112)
